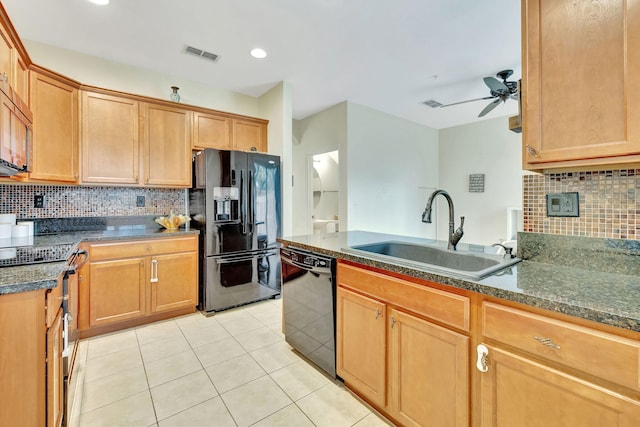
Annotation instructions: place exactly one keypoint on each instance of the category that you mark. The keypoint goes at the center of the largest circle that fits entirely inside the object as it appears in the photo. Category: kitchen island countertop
(25, 278)
(605, 297)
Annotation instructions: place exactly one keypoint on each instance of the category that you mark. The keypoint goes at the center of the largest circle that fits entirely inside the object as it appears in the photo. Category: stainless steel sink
(432, 258)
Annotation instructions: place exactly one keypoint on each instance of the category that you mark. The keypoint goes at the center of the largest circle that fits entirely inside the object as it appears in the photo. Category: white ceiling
(390, 55)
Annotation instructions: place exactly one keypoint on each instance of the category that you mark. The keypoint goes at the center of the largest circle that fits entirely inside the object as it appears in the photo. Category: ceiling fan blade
(469, 100)
(496, 85)
(489, 107)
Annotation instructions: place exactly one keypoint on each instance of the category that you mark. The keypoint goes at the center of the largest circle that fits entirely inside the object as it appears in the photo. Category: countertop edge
(586, 313)
(51, 281)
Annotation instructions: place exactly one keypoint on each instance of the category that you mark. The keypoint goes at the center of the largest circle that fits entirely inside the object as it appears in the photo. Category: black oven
(69, 282)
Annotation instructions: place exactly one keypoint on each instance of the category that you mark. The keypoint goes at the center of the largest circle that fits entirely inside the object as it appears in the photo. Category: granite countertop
(597, 281)
(26, 278)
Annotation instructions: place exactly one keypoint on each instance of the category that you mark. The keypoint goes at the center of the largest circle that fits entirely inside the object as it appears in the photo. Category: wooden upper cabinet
(21, 85)
(55, 129)
(109, 139)
(166, 137)
(211, 131)
(14, 132)
(7, 57)
(249, 135)
(580, 83)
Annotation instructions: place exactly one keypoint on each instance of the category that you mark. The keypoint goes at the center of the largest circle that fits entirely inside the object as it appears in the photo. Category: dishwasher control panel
(302, 259)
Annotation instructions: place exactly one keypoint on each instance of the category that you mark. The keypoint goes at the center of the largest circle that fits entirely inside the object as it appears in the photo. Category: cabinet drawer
(136, 248)
(604, 355)
(445, 307)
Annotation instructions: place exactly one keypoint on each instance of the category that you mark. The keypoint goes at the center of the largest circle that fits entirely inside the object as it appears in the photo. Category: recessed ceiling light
(258, 53)
(100, 2)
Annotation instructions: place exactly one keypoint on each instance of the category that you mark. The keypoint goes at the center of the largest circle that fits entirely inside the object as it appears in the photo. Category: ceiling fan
(500, 91)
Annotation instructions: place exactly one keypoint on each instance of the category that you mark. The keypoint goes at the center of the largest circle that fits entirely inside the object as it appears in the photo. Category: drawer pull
(154, 271)
(483, 358)
(548, 342)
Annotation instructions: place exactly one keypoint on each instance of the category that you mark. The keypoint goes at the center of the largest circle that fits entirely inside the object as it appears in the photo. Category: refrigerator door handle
(251, 201)
(246, 257)
(243, 202)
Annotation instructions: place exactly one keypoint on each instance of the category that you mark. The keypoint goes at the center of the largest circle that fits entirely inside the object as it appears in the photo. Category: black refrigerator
(235, 203)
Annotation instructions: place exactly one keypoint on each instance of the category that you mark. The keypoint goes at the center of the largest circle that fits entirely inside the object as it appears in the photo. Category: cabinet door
(22, 81)
(211, 131)
(249, 135)
(117, 291)
(55, 130)
(174, 281)
(55, 400)
(13, 132)
(518, 392)
(581, 79)
(22, 359)
(167, 146)
(7, 53)
(428, 373)
(109, 139)
(361, 344)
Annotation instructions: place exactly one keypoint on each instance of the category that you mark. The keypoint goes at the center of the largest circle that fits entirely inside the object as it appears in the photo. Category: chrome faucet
(454, 236)
(508, 251)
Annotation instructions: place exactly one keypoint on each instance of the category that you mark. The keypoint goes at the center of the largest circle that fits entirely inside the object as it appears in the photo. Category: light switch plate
(563, 204)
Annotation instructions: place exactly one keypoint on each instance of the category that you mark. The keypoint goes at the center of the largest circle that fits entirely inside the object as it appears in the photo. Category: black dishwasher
(309, 305)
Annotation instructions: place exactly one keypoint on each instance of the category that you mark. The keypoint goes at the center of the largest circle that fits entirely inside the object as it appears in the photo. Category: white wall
(487, 147)
(319, 133)
(94, 71)
(276, 106)
(392, 166)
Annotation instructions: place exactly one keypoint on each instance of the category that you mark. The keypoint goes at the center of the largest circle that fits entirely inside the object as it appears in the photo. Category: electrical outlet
(563, 204)
(140, 201)
(39, 201)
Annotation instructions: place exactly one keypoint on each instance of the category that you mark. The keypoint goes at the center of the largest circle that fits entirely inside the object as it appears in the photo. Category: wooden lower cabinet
(168, 271)
(361, 334)
(23, 349)
(116, 291)
(128, 282)
(517, 391)
(31, 370)
(428, 373)
(55, 373)
(411, 369)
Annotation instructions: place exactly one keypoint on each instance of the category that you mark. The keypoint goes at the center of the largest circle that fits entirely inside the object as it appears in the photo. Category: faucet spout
(454, 236)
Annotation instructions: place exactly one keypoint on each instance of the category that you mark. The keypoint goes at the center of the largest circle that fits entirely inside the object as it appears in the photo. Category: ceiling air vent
(201, 53)
(432, 103)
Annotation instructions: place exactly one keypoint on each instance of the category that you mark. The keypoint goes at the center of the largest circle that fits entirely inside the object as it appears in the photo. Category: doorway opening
(324, 192)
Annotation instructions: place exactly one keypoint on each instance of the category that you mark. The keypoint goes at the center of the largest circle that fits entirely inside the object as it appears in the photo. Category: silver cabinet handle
(482, 362)
(378, 313)
(154, 271)
(393, 321)
(547, 342)
(532, 151)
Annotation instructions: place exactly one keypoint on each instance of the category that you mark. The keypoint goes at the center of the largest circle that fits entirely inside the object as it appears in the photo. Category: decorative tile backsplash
(608, 203)
(74, 201)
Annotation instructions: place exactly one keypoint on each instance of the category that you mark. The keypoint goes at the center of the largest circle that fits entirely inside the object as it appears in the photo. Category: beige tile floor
(232, 369)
